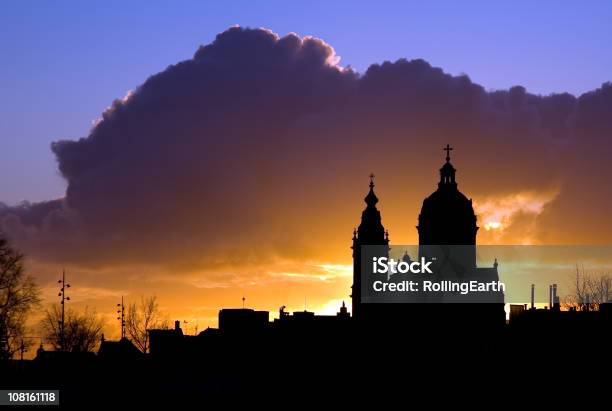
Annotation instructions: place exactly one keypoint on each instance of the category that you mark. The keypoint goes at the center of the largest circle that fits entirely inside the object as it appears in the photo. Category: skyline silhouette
(446, 219)
(326, 201)
(231, 362)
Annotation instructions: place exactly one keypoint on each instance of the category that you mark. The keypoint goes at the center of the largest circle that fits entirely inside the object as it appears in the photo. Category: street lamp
(64, 298)
(121, 317)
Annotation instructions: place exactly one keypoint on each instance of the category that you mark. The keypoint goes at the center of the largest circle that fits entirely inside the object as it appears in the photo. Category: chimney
(550, 296)
(532, 296)
(177, 325)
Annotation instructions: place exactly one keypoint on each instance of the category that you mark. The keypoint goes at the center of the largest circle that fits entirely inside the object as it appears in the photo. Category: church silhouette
(447, 232)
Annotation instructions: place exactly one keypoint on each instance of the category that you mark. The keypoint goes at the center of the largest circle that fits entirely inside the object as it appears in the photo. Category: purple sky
(64, 62)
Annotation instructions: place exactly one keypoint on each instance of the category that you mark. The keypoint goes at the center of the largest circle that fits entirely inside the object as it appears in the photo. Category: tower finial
(448, 149)
(371, 199)
(447, 172)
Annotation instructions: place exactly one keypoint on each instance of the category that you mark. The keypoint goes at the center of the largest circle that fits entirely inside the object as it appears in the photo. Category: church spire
(447, 172)
(371, 230)
(371, 198)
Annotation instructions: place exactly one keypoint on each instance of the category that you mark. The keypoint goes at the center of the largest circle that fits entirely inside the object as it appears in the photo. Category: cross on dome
(448, 149)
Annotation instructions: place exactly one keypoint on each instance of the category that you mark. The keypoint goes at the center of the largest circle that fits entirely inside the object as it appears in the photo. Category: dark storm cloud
(258, 145)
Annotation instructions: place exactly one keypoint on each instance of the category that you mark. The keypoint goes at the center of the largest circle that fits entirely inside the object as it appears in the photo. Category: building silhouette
(369, 233)
(447, 215)
(447, 229)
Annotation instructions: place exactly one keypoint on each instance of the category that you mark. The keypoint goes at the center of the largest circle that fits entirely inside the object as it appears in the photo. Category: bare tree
(590, 290)
(599, 289)
(82, 331)
(19, 295)
(142, 317)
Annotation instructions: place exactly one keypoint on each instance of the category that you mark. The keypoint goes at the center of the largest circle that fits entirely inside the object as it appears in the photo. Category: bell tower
(369, 232)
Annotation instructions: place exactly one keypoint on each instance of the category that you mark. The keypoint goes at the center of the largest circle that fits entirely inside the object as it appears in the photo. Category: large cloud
(257, 148)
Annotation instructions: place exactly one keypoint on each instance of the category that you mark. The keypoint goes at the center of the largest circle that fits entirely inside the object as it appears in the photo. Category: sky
(165, 151)
(64, 62)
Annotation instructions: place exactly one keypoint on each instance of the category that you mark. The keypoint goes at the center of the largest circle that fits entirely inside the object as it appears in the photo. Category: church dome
(447, 215)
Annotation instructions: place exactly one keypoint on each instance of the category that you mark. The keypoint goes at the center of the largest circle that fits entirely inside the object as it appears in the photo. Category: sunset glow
(492, 225)
(202, 186)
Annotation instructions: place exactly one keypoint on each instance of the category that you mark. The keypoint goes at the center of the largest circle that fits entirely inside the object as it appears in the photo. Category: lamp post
(121, 317)
(64, 298)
